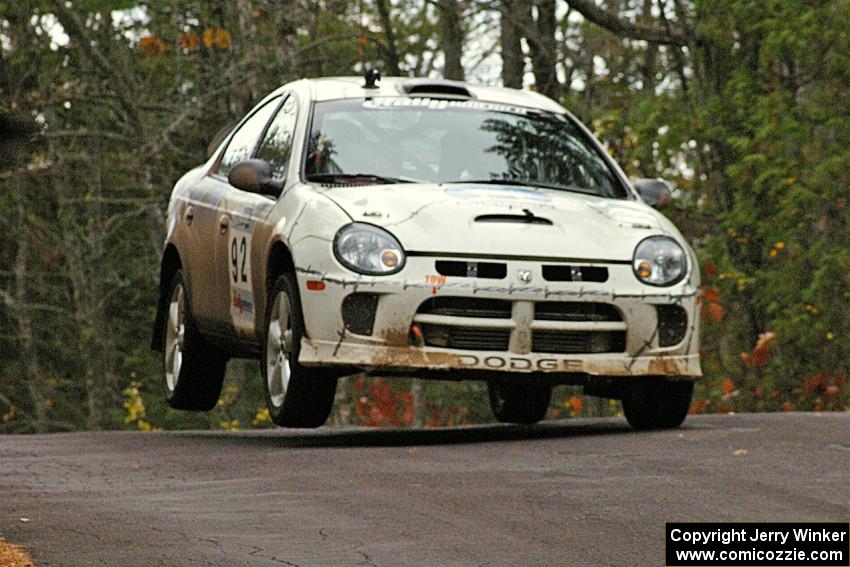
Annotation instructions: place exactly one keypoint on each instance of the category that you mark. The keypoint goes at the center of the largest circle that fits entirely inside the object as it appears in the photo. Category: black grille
(563, 273)
(490, 270)
(672, 324)
(465, 338)
(575, 311)
(467, 307)
(358, 312)
(578, 342)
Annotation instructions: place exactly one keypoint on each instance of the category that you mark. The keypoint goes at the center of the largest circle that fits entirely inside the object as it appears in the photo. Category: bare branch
(624, 28)
(84, 133)
(75, 28)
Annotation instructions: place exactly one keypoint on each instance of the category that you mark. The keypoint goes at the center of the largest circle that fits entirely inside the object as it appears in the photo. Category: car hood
(447, 218)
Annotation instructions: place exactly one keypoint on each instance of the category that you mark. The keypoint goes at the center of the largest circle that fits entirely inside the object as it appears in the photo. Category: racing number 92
(238, 258)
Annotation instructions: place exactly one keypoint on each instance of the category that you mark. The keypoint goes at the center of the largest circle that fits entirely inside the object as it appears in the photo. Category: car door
(245, 214)
(209, 217)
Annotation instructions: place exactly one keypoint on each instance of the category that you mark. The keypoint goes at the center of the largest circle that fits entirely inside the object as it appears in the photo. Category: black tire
(195, 382)
(515, 402)
(658, 403)
(307, 398)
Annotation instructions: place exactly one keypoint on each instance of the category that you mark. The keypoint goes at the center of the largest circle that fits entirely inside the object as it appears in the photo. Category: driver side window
(276, 146)
(242, 143)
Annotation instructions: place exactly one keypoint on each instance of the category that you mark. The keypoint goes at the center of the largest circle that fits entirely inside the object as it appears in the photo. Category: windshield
(395, 139)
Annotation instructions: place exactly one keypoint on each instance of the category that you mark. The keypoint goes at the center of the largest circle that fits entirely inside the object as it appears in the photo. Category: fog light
(358, 312)
(672, 324)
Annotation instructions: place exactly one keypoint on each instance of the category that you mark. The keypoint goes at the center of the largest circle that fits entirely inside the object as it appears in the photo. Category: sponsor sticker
(241, 294)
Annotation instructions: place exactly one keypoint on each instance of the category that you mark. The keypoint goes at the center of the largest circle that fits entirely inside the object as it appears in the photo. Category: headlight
(659, 260)
(367, 249)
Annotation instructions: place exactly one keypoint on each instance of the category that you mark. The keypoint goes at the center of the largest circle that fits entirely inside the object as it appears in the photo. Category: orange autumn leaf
(222, 39)
(728, 386)
(217, 37)
(761, 352)
(715, 311)
(152, 45)
(699, 406)
(711, 294)
(209, 37)
(189, 41)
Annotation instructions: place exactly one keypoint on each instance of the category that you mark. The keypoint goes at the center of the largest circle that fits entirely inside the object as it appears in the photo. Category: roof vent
(436, 88)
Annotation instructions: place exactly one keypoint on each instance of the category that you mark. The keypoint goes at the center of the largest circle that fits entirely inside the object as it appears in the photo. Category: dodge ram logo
(524, 276)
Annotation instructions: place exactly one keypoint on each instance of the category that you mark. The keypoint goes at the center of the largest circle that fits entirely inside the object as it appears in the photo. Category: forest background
(743, 104)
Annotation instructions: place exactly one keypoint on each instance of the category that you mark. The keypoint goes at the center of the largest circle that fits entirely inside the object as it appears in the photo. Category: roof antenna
(371, 77)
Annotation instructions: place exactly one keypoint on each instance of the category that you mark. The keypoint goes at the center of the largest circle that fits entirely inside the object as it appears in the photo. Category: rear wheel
(297, 396)
(514, 402)
(194, 371)
(658, 403)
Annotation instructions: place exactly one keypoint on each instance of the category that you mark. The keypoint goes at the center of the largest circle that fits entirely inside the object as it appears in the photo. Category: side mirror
(254, 176)
(655, 192)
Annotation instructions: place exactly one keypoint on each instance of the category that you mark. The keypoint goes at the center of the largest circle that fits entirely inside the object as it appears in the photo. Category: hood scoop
(527, 218)
(436, 88)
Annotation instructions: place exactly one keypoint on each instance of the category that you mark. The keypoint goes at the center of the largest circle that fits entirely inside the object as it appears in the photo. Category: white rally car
(428, 228)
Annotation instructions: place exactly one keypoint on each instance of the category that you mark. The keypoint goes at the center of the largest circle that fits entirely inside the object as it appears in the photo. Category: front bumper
(371, 357)
(390, 346)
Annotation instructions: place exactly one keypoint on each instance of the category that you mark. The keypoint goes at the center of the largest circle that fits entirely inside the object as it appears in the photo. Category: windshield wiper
(528, 183)
(343, 177)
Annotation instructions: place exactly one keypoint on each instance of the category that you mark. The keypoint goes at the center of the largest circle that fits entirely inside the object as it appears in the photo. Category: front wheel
(658, 403)
(296, 396)
(194, 371)
(516, 402)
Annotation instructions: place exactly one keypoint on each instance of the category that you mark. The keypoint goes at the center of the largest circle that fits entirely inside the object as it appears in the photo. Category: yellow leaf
(209, 37)
(222, 38)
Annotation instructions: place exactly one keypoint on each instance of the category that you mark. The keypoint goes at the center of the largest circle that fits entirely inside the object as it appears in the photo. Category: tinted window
(455, 141)
(245, 139)
(276, 146)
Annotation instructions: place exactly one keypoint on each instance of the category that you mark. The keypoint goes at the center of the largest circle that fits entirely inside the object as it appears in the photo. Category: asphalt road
(588, 492)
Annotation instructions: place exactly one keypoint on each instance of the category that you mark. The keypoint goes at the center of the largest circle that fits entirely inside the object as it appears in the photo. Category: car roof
(335, 88)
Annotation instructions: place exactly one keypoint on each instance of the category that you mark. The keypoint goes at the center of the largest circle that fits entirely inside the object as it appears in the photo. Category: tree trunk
(513, 60)
(28, 355)
(393, 62)
(452, 38)
(648, 70)
(287, 45)
(544, 50)
(247, 28)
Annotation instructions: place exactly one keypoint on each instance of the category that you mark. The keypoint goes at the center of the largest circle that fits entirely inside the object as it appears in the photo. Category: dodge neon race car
(425, 228)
